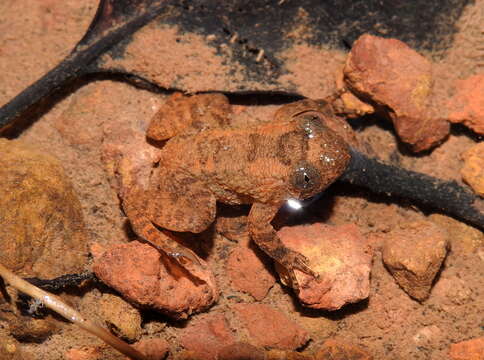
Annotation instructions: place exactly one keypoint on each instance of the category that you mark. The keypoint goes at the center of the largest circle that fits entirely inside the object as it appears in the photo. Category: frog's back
(238, 165)
(293, 158)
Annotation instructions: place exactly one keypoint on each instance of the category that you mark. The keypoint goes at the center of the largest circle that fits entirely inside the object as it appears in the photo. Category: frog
(204, 159)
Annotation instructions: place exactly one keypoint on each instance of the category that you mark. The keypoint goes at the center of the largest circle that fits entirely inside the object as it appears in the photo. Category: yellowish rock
(42, 232)
(354, 107)
(414, 253)
(120, 316)
(41, 226)
(25, 328)
(473, 170)
(9, 347)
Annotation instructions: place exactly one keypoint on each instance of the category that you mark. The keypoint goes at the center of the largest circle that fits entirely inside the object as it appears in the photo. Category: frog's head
(322, 155)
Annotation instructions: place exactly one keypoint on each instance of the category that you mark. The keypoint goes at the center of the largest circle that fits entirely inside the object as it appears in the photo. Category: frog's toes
(292, 260)
(186, 258)
(296, 261)
(301, 262)
(190, 266)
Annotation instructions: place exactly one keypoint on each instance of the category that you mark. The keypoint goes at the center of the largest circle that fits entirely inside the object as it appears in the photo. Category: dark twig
(446, 196)
(97, 41)
(62, 282)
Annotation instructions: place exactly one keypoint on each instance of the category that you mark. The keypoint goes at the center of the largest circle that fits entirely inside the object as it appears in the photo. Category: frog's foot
(293, 260)
(180, 254)
(184, 258)
(300, 262)
(264, 235)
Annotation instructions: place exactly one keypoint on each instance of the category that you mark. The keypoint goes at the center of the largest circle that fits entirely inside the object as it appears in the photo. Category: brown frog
(205, 160)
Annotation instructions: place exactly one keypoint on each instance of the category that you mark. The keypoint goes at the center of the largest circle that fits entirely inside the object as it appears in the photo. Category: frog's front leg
(262, 232)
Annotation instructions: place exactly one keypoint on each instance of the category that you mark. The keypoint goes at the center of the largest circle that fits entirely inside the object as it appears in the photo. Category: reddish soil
(36, 35)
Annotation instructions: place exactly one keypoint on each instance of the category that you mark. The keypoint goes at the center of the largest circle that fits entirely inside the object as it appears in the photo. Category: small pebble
(153, 349)
(205, 337)
(85, 353)
(137, 272)
(121, 317)
(414, 254)
(339, 254)
(427, 336)
(270, 328)
(399, 80)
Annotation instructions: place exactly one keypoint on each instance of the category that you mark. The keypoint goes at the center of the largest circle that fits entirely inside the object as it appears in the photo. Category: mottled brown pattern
(254, 141)
(181, 114)
(135, 209)
(291, 147)
(294, 156)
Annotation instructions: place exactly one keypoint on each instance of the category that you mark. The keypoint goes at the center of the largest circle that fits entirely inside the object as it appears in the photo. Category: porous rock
(353, 107)
(413, 253)
(143, 277)
(28, 329)
(473, 170)
(339, 254)
(467, 105)
(270, 328)
(42, 231)
(388, 73)
(205, 337)
(122, 318)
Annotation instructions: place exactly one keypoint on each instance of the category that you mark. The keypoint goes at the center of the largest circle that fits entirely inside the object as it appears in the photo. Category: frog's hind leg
(135, 208)
(180, 202)
(181, 114)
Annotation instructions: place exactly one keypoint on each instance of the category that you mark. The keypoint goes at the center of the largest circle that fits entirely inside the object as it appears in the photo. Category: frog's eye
(306, 179)
(311, 122)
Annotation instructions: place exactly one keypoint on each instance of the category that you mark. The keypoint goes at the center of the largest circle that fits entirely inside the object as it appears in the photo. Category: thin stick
(56, 304)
